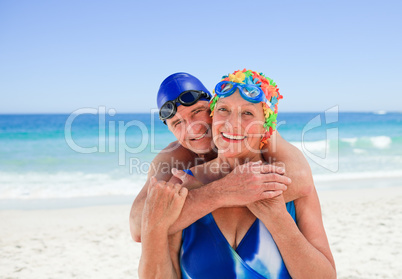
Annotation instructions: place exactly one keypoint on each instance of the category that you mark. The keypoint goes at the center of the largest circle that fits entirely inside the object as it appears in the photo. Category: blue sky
(59, 56)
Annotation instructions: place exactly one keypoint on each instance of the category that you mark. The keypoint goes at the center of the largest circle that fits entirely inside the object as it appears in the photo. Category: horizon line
(287, 111)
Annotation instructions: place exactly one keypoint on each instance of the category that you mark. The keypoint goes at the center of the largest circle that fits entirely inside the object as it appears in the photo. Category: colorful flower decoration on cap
(270, 90)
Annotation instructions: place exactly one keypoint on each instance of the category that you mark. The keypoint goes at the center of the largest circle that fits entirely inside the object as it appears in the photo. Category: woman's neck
(229, 164)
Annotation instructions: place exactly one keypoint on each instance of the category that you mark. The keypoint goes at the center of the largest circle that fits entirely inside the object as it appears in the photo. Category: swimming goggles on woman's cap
(186, 98)
(250, 92)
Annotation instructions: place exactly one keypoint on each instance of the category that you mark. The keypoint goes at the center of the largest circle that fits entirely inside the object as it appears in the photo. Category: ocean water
(63, 156)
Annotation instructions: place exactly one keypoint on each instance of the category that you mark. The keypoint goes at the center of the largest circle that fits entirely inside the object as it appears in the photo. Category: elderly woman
(266, 239)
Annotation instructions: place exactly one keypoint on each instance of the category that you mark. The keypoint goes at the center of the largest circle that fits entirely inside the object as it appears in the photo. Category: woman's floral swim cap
(270, 90)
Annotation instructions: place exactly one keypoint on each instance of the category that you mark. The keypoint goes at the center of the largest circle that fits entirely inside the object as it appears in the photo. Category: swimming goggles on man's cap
(186, 98)
(250, 92)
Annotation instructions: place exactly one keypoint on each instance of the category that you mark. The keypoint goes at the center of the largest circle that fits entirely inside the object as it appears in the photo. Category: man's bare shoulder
(173, 156)
(281, 152)
(278, 148)
(177, 151)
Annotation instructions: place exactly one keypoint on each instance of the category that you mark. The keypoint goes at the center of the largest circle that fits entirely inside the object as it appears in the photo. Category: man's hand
(163, 205)
(251, 182)
(187, 180)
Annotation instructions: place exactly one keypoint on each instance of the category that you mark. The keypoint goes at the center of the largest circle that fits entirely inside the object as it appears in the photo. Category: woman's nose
(233, 122)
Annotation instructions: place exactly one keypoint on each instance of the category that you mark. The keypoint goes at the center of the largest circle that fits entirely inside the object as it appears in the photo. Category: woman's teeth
(233, 137)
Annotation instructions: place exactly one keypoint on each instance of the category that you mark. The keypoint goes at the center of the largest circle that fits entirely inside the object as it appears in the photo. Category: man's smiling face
(192, 127)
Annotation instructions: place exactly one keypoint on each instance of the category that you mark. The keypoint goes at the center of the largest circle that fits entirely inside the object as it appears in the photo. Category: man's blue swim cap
(177, 83)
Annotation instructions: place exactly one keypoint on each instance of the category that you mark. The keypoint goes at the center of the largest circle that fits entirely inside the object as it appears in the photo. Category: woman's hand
(163, 205)
(304, 246)
(268, 208)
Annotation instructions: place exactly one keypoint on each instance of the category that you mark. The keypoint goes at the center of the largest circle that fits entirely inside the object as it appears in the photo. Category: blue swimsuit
(205, 252)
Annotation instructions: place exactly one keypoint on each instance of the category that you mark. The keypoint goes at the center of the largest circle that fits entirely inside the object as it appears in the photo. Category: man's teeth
(201, 136)
(233, 136)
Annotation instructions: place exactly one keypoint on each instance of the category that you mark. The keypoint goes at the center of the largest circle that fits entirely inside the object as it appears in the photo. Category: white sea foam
(351, 141)
(76, 184)
(381, 142)
(312, 146)
(359, 151)
(315, 145)
(357, 176)
(362, 143)
(380, 112)
(34, 185)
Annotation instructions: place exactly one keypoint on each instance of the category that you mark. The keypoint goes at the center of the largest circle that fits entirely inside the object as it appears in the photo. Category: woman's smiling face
(238, 126)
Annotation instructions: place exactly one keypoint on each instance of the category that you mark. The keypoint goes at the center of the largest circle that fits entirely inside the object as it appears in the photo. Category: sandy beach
(363, 226)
